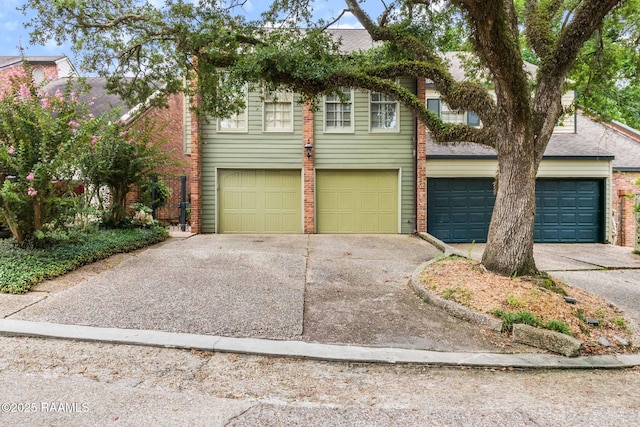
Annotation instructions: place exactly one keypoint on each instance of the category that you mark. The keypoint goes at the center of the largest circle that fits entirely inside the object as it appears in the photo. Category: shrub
(22, 267)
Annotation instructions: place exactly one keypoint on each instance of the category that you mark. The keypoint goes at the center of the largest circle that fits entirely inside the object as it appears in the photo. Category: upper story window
(383, 113)
(235, 123)
(452, 116)
(338, 111)
(278, 112)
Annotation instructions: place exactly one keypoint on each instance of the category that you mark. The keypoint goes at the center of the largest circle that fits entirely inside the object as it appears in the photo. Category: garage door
(259, 201)
(567, 211)
(357, 201)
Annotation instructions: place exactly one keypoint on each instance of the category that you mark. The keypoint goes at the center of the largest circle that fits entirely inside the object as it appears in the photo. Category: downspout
(415, 176)
(621, 230)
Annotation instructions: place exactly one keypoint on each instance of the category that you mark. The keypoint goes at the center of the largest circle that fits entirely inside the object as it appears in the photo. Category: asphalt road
(51, 382)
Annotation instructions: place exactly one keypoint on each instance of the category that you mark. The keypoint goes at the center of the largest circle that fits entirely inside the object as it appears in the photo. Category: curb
(452, 307)
(539, 338)
(306, 350)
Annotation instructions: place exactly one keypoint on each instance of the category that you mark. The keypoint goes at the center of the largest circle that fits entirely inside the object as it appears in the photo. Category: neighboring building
(59, 69)
(42, 67)
(624, 142)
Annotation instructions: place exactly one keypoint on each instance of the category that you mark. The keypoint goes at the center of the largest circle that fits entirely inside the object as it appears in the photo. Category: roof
(352, 39)
(592, 141)
(7, 61)
(457, 68)
(98, 99)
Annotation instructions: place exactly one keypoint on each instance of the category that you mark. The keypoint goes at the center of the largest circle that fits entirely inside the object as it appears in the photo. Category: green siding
(363, 149)
(253, 149)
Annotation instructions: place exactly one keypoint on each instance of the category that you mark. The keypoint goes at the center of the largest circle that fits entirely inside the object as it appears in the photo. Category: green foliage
(513, 301)
(606, 72)
(457, 294)
(521, 317)
(118, 157)
(21, 268)
(558, 326)
(39, 133)
(154, 187)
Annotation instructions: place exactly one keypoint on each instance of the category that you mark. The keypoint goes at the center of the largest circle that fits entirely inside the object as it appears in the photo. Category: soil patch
(468, 283)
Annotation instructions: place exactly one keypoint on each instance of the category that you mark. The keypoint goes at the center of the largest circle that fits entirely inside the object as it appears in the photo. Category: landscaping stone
(549, 340)
(604, 342)
(621, 341)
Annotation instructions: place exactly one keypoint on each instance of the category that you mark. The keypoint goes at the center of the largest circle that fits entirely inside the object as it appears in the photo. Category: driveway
(321, 288)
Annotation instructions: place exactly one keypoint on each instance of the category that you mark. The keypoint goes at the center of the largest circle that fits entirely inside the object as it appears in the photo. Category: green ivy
(21, 267)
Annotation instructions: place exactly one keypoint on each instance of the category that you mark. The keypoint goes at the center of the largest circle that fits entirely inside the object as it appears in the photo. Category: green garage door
(567, 211)
(357, 201)
(259, 201)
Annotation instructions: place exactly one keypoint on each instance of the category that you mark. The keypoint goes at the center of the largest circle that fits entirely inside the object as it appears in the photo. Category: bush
(21, 267)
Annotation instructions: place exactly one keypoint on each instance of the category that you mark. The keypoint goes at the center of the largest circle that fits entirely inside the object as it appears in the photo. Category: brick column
(421, 166)
(308, 172)
(196, 172)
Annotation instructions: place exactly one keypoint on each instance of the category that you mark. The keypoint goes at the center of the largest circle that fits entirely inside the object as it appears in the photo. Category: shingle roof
(352, 40)
(6, 61)
(592, 140)
(457, 68)
(100, 100)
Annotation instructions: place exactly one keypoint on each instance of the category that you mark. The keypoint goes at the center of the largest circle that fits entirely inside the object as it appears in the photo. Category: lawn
(21, 268)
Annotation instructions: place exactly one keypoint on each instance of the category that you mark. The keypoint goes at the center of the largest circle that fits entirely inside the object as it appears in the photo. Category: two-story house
(364, 164)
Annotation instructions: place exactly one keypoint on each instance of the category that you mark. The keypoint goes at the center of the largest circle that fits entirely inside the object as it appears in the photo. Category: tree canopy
(144, 48)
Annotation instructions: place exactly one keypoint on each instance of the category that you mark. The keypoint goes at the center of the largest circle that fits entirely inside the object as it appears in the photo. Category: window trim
(265, 101)
(467, 113)
(245, 112)
(395, 129)
(338, 130)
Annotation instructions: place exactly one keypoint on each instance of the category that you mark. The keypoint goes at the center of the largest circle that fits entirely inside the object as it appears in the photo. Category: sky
(13, 33)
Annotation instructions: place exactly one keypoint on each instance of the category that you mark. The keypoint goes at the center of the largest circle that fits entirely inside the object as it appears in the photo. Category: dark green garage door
(567, 211)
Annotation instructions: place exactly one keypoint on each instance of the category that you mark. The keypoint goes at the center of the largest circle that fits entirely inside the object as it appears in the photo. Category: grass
(457, 294)
(23, 268)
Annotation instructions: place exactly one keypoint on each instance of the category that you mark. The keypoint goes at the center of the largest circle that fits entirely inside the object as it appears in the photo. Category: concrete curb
(441, 246)
(301, 349)
(452, 307)
(540, 338)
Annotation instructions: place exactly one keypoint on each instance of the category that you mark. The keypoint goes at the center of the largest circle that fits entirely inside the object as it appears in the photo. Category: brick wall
(624, 185)
(170, 129)
(308, 171)
(421, 167)
(196, 172)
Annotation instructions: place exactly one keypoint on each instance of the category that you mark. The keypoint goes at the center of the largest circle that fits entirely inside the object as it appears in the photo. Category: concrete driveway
(322, 288)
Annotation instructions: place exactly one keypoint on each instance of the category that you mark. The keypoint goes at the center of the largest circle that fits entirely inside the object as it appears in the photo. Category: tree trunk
(509, 248)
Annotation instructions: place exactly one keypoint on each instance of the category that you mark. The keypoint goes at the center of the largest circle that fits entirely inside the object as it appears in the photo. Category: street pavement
(66, 383)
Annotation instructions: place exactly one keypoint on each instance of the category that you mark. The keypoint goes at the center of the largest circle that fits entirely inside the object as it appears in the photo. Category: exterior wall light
(308, 148)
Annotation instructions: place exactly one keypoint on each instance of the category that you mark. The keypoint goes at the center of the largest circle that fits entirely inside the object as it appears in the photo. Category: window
(338, 111)
(278, 112)
(384, 113)
(452, 116)
(236, 122)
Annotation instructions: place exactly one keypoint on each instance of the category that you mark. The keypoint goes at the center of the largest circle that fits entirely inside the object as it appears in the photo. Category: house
(366, 165)
(59, 69)
(170, 129)
(624, 143)
(42, 67)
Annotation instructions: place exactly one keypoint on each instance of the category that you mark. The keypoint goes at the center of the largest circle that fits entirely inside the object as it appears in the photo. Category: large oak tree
(144, 48)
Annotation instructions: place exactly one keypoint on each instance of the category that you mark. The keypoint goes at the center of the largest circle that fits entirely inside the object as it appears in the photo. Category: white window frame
(444, 108)
(388, 100)
(335, 100)
(282, 98)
